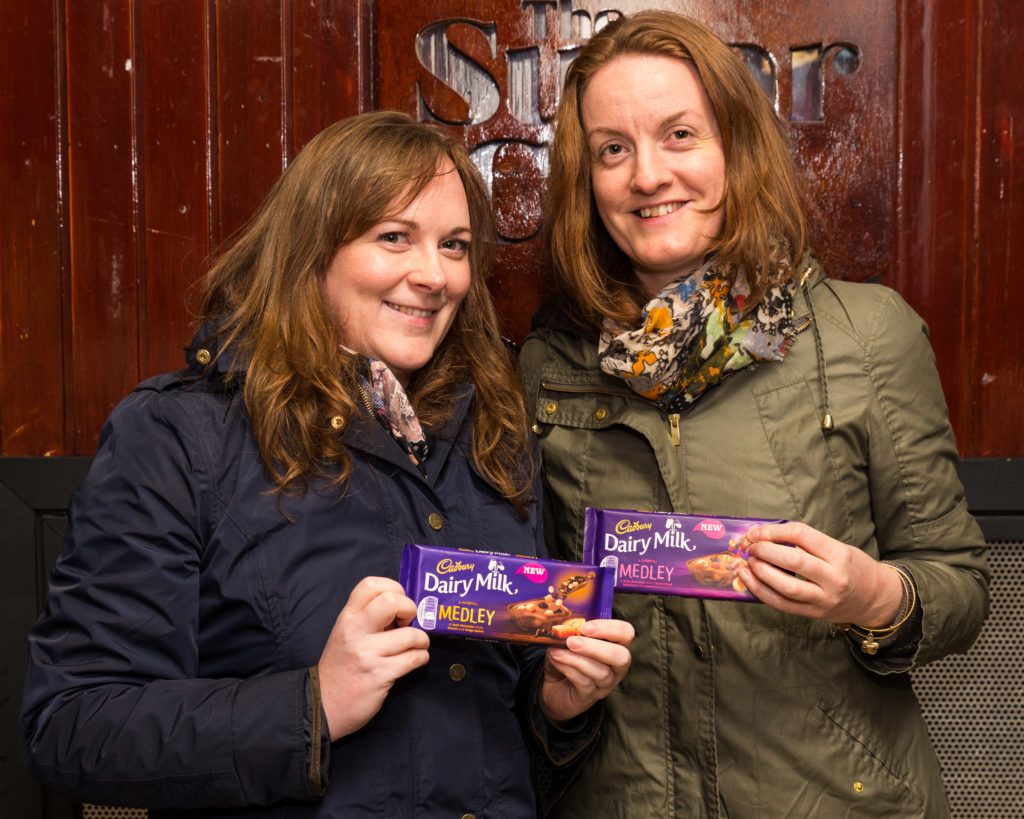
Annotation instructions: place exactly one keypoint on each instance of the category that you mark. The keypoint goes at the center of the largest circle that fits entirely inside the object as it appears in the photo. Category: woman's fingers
(807, 538)
(611, 630)
(368, 589)
(387, 609)
(586, 672)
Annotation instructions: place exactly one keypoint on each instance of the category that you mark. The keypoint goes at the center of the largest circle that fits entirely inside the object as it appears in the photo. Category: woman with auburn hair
(224, 628)
(695, 358)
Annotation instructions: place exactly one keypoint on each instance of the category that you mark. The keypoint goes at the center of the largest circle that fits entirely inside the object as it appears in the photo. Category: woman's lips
(416, 312)
(658, 210)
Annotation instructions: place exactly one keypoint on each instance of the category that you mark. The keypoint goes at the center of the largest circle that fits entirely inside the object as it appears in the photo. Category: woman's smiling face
(394, 291)
(657, 161)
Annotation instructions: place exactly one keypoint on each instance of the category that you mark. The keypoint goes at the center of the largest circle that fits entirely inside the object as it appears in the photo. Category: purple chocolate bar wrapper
(669, 553)
(496, 596)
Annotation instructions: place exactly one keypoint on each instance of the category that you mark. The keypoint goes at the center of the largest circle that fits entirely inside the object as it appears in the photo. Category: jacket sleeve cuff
(565, 743)
(271, 736)
(318, 737)
(896, 651)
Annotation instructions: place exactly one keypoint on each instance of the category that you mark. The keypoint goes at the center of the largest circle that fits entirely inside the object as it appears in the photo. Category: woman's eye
(612, 150)
(391, 237)
(681, 133)
(456, 246)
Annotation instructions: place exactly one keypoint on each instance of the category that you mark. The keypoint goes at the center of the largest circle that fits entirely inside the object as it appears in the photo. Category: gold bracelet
(870, 645)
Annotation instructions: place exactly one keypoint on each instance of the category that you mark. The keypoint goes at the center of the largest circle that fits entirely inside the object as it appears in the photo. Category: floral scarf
(393, 411)
(692, 336)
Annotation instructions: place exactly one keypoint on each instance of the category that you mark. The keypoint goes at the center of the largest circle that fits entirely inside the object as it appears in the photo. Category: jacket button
(337, 422)
(698, 651)
(457, 671)
(550, 407)
(469, 816)
(203, 357)
(435, 521)
(536, 429)
(601, 414)
(859, 787)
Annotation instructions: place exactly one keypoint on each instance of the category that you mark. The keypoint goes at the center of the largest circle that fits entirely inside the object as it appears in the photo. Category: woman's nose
(428, 271)
(650, 170)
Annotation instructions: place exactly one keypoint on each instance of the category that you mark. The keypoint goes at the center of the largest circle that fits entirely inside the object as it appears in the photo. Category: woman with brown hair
(224, 628)
(696, 358)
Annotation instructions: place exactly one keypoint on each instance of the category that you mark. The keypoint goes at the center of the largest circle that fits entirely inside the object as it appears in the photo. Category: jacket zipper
(366, 401)
(673, 427)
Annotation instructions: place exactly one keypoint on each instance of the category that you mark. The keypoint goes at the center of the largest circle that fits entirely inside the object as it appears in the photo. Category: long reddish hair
(764, 227)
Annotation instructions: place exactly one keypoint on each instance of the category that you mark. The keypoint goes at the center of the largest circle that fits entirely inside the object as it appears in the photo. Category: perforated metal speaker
(103, 812)
(974, 703)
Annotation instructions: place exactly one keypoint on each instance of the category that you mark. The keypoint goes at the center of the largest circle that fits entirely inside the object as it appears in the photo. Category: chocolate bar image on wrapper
(669, 553)
(495, 596)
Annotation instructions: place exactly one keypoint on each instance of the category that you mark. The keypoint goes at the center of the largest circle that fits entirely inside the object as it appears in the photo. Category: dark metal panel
(31, 408)
(33, 494)
(994, 486)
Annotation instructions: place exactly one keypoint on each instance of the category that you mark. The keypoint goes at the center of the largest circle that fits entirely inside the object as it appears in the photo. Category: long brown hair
(264, 296)
(764, 226)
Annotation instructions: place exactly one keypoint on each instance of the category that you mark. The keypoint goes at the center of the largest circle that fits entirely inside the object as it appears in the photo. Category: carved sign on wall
(491, 72)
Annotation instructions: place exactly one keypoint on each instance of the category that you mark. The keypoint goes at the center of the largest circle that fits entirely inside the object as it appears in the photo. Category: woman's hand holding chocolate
(370, 646)
(587, 669)
(819, 576)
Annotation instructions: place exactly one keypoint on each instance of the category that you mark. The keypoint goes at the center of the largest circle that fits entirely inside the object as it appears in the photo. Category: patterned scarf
(393, 411)
(692, 336)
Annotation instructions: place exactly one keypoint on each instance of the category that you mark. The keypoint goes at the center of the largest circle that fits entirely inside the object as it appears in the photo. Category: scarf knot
(393, 410)
(694, 334)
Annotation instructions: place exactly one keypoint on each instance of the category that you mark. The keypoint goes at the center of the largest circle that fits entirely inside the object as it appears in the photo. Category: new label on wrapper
(495, 596)
(668, 553)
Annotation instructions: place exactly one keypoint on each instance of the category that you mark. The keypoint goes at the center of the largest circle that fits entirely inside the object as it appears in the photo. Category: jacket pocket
(596, 451)
(817, 758)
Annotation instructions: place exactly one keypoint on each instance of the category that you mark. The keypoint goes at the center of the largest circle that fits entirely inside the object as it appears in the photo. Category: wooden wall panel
(934, 209)
(252, 138)
(331, 42)
(173, 175)
(103, 358)
(993, 383)
(490, 73)
(31, 375)
(145, 132)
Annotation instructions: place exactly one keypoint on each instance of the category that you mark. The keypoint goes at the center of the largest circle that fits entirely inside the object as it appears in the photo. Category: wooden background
(138, 134)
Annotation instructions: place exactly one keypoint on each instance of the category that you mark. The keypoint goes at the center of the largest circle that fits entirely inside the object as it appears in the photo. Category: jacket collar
(206, 347)
(363, 434)
(366, 435)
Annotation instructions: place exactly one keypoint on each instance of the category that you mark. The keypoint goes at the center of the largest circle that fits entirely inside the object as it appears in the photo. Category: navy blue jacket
(170, 666)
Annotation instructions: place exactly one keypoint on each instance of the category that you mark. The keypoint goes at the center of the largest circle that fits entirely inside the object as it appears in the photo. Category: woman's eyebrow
(676, 116)
(409, 223)
(603, 130)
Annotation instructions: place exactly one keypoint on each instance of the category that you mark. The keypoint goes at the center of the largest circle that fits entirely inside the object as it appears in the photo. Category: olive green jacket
(735, 709)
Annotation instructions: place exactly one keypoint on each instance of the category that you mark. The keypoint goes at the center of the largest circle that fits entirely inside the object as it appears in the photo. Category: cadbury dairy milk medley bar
(668, 553)
(494, 596)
